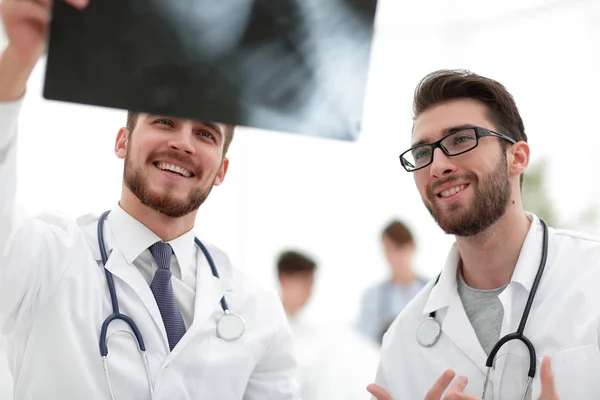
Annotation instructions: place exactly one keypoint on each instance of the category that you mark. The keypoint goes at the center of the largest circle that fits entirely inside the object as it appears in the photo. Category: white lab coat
(335, 362)
(54, 298)
(6, 382)
(563, 323)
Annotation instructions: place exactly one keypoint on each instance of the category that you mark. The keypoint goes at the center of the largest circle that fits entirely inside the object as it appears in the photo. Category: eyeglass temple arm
(487, 132)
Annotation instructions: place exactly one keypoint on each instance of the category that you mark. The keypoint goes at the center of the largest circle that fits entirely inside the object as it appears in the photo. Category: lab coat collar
(133, 238)
(524, 273)
(456, 324)
(445, 289)
(531, 255)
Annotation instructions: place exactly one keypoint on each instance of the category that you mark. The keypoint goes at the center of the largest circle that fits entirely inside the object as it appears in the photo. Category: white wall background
(332, 198)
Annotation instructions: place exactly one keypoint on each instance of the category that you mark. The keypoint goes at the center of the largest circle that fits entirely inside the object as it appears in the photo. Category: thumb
(378, 392)
(547, 377)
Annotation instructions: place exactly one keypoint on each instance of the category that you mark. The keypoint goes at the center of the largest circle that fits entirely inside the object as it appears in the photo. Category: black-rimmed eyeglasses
(453, 144)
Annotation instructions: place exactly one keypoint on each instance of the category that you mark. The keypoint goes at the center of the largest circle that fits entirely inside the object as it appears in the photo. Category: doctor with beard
(514, 312)
(129, 304)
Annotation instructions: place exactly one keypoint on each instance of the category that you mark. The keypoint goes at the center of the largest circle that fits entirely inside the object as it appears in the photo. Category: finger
(74, 3)
(378, 392)
(547, 377)
(436, 391)
(459, 385)
(461, 396)
(25, 10)
(42, 2)
(80, 4)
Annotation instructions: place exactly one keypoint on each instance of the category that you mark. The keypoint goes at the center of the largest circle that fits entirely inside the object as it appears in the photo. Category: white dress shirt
(135, 239)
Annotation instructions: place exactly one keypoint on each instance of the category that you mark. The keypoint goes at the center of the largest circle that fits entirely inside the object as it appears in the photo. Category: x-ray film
(297, 66)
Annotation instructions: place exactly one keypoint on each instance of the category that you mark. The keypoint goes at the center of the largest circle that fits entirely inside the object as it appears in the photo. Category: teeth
(452, 191)
(173, 168)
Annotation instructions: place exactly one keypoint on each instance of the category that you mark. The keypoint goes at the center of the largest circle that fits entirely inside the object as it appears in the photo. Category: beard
(165, 203)
(490, 200)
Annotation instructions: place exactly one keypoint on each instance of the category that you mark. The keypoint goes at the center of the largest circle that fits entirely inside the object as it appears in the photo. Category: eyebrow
(212, 125)
(445, 132)
(215, 127)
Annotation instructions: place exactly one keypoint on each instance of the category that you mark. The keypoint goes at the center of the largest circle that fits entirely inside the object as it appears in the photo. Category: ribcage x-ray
(295, 66)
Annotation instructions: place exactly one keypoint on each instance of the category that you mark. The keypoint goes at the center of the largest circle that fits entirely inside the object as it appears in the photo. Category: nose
(182, 140)
(441, 165)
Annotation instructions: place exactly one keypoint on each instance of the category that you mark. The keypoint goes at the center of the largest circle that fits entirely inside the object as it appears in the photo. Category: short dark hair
(445, 85)
(398, 233)
(293, 262)
(132, 117)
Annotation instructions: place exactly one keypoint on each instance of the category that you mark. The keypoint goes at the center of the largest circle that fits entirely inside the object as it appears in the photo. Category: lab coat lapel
(458, 328)
(455, 322)
(130, 276)
(209, 291)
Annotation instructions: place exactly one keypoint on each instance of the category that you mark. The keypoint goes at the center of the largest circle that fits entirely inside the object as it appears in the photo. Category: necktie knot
(161, 252)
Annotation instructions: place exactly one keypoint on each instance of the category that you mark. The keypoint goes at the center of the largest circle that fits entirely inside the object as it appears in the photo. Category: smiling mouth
(452, 191)
(173, 169)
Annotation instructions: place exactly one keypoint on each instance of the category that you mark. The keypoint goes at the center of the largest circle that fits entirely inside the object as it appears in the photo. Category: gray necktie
(163, 293)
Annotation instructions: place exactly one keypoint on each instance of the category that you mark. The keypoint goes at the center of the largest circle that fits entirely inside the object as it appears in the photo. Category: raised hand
(435, 393)
(26, 24)
(547, 377)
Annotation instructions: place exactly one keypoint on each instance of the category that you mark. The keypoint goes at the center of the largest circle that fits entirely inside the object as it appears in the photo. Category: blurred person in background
(334, 361)
(384, 301)
(296, 273)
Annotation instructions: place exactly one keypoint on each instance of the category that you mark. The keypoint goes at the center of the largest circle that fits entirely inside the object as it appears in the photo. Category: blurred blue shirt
(382, 303)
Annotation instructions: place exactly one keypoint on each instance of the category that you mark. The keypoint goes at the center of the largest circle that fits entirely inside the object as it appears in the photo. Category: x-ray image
(296, 66)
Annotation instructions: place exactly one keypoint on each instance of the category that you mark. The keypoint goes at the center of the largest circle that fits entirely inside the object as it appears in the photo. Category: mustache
(434, 187)
(176, 156)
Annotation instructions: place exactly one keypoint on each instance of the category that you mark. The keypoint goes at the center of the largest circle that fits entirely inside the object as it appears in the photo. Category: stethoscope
(430, 330)
(230, 326)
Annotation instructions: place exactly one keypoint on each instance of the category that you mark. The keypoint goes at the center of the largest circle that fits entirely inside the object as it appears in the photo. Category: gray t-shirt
(485, 311)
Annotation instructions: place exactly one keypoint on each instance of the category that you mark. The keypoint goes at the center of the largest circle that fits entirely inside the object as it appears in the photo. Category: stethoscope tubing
(519, 334)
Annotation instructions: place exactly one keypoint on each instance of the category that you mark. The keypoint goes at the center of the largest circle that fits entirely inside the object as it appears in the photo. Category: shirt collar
(133, 238)
(524, 273)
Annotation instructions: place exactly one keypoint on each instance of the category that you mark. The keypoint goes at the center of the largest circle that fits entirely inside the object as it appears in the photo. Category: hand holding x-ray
(297, 66)
(26, 24)
(455, 392)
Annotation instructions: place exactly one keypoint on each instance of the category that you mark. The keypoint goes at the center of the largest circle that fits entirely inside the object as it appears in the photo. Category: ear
(121, 143)
(518, 158)
(282, 280)
(222, 172)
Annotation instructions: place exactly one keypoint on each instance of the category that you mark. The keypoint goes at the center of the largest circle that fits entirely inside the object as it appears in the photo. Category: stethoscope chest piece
(230, 327)
(429, 332)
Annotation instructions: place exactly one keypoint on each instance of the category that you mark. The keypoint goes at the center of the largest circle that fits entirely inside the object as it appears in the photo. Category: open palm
(455, 392)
